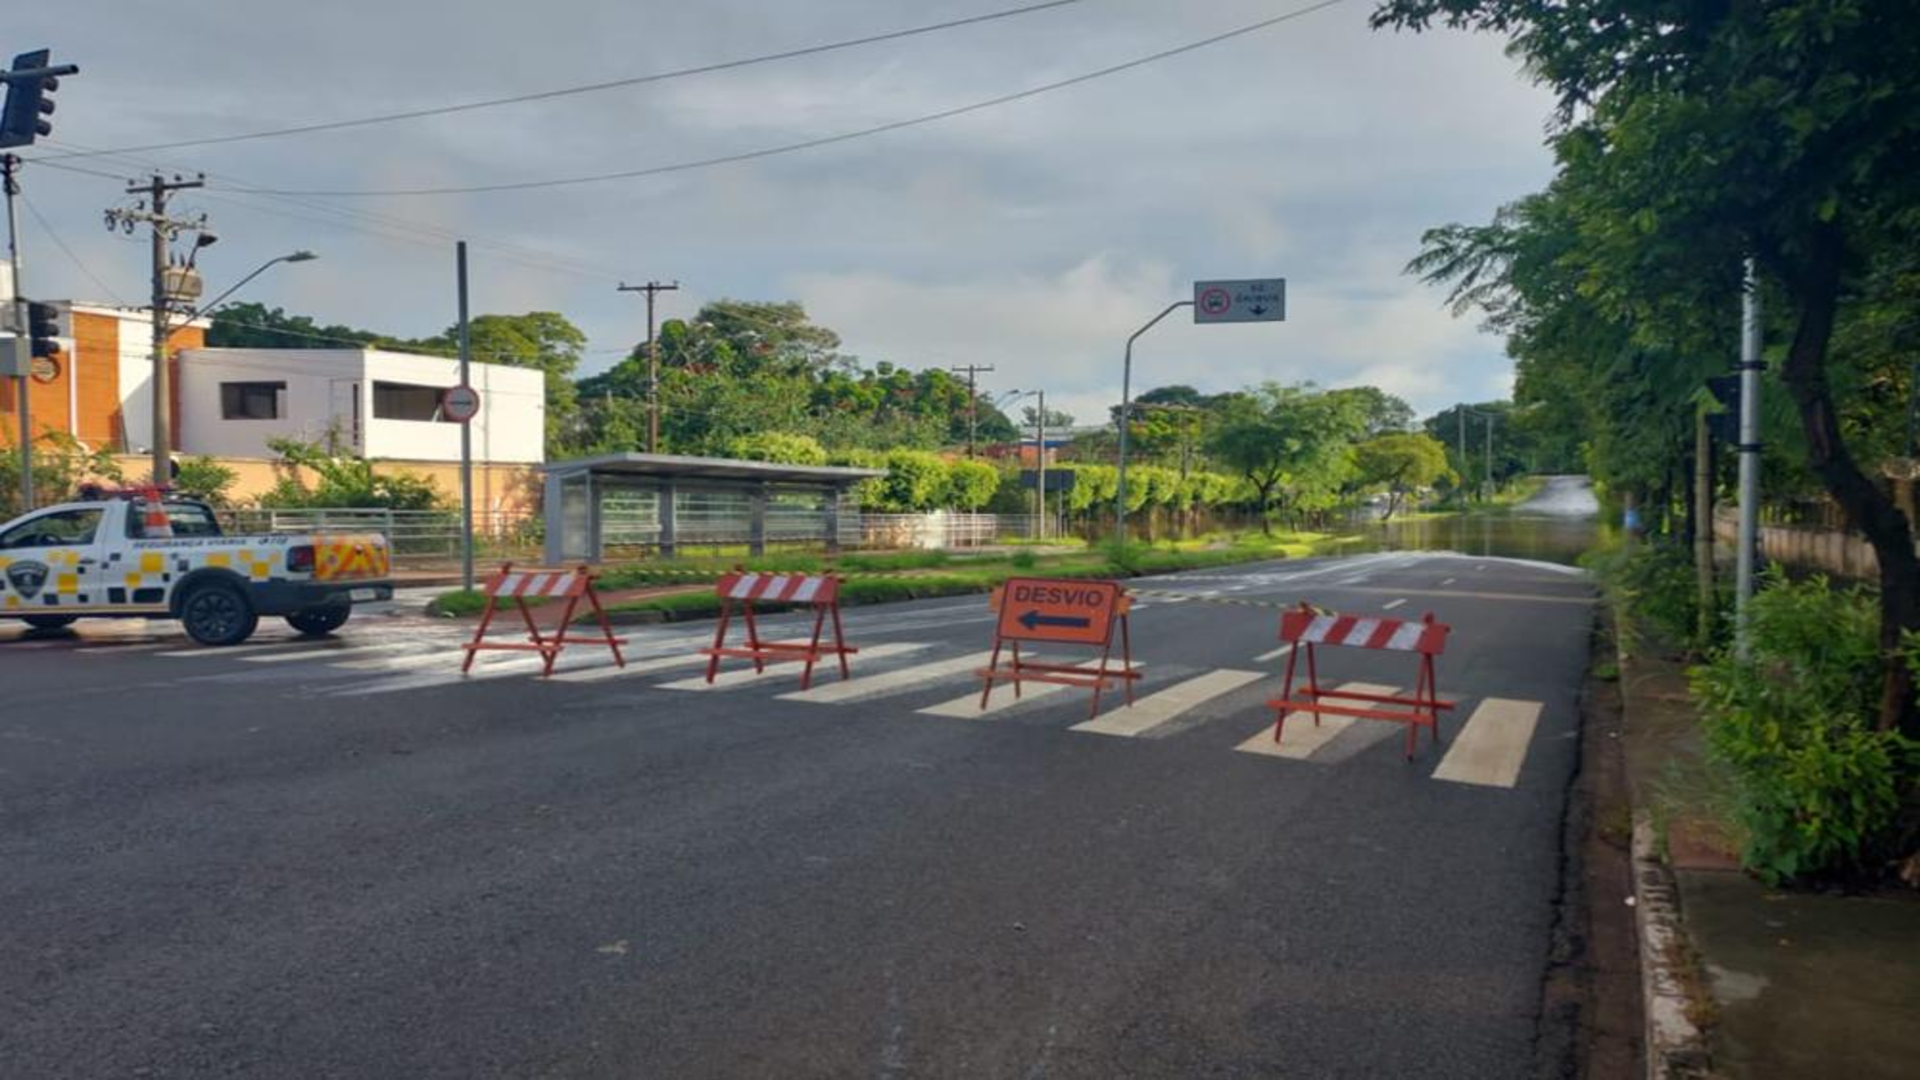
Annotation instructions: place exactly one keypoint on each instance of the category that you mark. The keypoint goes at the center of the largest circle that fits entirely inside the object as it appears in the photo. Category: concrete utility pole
(972, 372)
(652, 289)
(466, 429)
(153, 212)
(1040, 461)
(1749, 448)
(11, 165)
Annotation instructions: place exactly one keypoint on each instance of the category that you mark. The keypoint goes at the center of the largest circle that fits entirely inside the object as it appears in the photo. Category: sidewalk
(1784, 984)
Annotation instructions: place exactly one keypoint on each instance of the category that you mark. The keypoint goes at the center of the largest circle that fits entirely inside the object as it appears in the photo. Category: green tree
(1694, 133)
(971, 484)
(1292, 444)
(1401, 462)
(778, 446)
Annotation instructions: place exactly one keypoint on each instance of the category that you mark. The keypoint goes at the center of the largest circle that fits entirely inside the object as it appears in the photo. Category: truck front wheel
(320, 621)
(218, 613)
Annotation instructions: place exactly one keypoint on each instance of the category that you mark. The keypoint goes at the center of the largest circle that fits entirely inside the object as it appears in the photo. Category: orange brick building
(98, 388)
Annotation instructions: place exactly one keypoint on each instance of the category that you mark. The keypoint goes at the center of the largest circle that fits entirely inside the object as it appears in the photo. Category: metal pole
(162, 378)
(1126, 409)
(1749, 455)
(1040, 449)
(653, 378)
(466, 429)
(11, 165)
(1489, 418)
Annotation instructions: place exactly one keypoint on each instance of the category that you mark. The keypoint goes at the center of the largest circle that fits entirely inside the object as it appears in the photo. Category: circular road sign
(45, 369)
(1216, 301)
(460, 403)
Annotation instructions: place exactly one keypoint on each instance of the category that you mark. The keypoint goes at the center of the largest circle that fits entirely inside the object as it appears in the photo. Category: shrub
(1654, 583)
(205, 479)
(1818, 789)
(60, 463)
(344, 482)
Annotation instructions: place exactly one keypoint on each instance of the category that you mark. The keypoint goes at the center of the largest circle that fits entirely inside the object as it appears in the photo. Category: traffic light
(43, 326)
(30, 99)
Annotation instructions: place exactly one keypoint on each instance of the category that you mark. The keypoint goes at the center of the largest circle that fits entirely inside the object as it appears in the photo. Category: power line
(588, 88)
(810, 144)
(47, 228)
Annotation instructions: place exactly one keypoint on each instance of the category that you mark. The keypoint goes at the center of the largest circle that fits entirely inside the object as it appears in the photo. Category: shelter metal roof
(679, 467)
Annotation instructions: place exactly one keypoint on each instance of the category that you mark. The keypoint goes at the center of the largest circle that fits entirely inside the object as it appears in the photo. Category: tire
(218, 613)
(49, 622)
(319, 621)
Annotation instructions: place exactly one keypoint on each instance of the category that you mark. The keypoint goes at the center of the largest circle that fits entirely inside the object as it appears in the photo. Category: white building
(377, 404)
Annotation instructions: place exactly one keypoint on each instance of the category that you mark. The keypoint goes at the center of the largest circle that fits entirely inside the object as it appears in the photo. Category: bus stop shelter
(662, 502)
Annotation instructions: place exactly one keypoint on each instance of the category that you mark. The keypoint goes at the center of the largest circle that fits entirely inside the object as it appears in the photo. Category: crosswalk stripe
(1301, 737)
(1274, 654)
(317, 652)
(1158, 708)
(968, 707)
(890, 682)
(825, 669)
(1492, 746)
(109, 650)
(608, 670)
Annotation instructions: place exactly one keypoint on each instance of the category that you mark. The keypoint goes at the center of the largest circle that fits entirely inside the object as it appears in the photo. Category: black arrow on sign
(1033, 620)
(1260, 310)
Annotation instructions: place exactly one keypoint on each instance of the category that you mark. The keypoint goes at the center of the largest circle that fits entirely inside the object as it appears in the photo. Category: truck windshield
(187, 519)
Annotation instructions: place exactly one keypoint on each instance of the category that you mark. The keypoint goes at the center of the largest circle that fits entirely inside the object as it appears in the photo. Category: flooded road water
(1557, 525)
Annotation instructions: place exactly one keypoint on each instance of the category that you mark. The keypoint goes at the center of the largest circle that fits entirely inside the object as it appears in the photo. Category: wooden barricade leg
(1313, 683)
(606, 627)
(840, 640)
(813, 649)
(486, 620)
(993, 669)
(1286, 694)
(1017, 681)
(719, 638)
(753, 638)
(560, 635)
(540, 643)
(1100, 677)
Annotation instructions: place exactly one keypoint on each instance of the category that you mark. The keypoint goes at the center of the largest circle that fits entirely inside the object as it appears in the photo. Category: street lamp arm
(204, 309)
(1126, 409)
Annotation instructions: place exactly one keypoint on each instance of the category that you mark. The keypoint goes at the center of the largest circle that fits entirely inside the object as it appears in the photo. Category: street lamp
(162, 407)
(1040, 452)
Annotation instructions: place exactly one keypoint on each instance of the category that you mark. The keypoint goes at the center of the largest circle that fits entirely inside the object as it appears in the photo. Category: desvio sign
(1051, 609)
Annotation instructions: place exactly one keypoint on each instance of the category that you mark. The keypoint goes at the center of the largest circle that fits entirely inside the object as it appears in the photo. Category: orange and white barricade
(1063, 611)
(742, 589)
(1309, 628)
(520, 586)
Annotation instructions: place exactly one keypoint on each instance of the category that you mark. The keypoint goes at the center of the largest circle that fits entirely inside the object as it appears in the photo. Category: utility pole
(11, 165)
(1466, 465)
(466, 429)
(652, 289)
(1749, 534)
(153, 212)
(1040, 461)
(972, 371)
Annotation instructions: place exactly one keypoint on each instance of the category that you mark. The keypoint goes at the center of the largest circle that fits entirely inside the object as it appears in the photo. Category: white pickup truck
(158, 556)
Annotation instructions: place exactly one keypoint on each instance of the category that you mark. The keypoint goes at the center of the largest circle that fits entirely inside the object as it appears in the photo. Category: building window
(251, 400)
(406, 401)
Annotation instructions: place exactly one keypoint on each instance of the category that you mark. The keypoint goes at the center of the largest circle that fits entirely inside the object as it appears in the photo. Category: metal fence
(422, 538)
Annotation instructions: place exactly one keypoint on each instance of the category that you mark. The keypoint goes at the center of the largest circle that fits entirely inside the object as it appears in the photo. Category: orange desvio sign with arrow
(1040, 609)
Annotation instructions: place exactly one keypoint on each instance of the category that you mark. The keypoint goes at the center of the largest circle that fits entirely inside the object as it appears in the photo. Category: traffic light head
(29, 101)
(43, 326)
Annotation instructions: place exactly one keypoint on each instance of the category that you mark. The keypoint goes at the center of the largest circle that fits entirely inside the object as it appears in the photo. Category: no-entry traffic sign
(460, 403)
(1250, 300)
(1064, 610)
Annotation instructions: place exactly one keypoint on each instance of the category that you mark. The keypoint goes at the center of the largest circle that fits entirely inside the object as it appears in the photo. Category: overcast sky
(1034, 236)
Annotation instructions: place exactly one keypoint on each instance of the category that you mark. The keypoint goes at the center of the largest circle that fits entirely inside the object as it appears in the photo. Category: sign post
(1225, 301)
(1062, 611)
(466, 433)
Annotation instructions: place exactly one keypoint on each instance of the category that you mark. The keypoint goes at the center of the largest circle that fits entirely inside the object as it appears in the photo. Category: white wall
(324, 384)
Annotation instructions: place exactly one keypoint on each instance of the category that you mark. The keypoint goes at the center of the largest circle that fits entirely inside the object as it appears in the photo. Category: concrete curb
(1675, 1047)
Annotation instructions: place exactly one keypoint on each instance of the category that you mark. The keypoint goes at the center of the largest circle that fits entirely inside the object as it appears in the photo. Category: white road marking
(634, 667)
(827, 668)
(968, 707)
(318, 652)
(1492, 746)
(1274, 654)
(1391, 604)
(1158, 708)
(1301, 737)
(229, 650)
(108, 650)
(1449, 581)
(891, 682)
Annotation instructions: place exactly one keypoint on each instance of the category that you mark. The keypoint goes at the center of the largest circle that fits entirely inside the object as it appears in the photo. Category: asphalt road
(344, 860)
